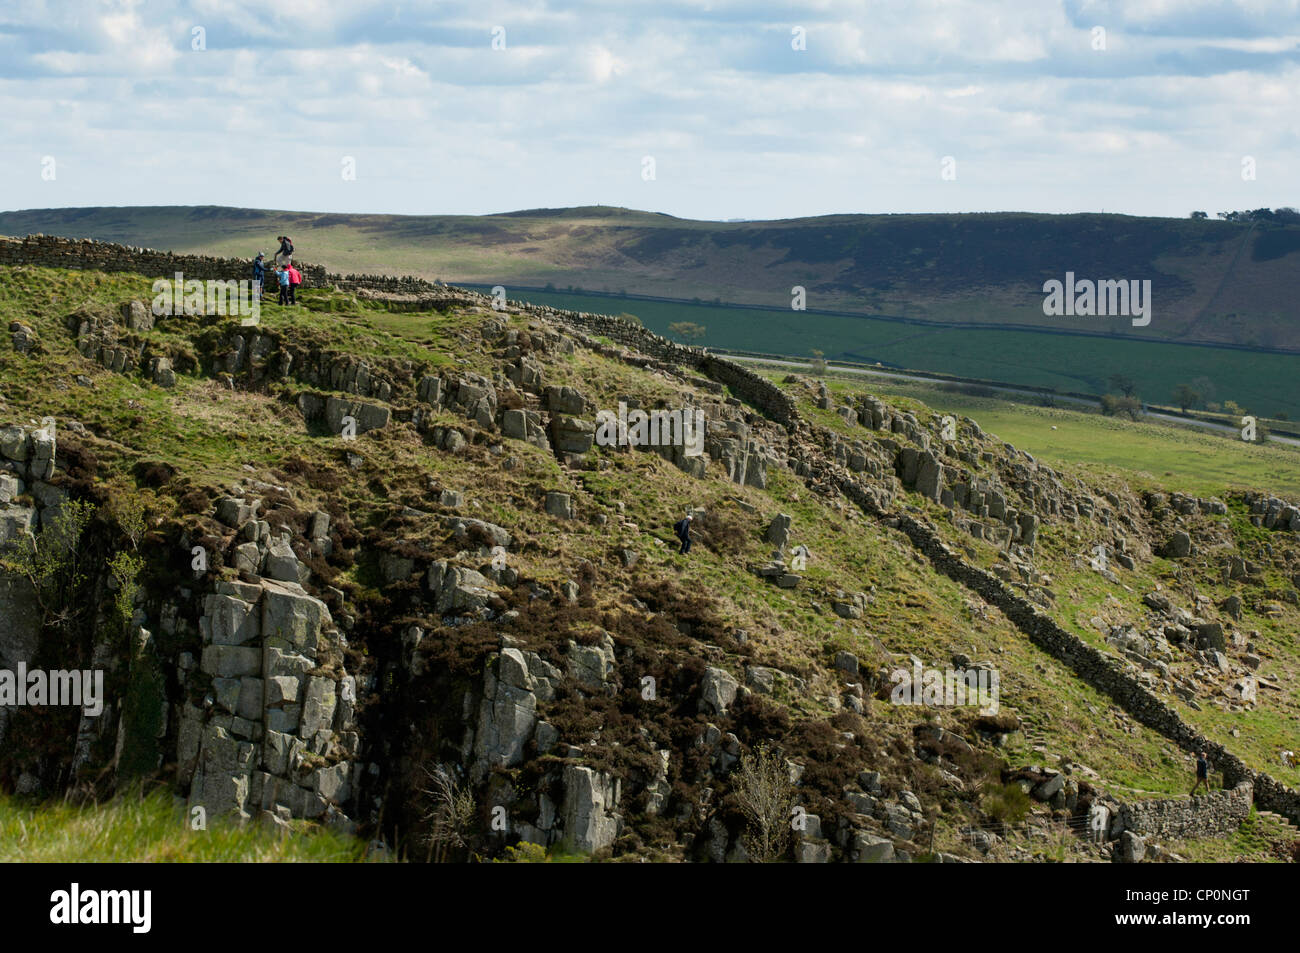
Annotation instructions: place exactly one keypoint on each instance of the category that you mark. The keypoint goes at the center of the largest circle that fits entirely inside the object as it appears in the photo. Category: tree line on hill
(1277, 216)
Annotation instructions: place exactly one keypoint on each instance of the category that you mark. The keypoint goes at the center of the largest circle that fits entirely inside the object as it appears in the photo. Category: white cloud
(740, 124)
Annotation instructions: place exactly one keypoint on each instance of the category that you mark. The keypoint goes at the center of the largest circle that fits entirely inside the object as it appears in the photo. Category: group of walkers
(286, 275)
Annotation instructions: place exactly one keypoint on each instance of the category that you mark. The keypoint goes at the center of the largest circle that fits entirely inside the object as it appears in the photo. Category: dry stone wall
(87, 254)
(1212, 815)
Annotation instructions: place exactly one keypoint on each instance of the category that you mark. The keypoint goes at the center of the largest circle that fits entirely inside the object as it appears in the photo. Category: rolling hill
(1219, 282)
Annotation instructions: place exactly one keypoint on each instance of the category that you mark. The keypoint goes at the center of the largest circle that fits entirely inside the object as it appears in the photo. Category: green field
(1264, 384)
(1177, 458)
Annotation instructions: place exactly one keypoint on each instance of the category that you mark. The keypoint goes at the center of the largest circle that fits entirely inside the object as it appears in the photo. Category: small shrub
(1008, 804)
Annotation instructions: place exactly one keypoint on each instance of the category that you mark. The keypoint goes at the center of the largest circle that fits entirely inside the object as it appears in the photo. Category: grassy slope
(154, 830)
(1083, 595)
(210, 432)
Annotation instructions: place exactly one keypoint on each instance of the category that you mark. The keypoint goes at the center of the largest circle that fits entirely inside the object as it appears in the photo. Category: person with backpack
(1202, 773)
(682, 530)
(282, 274)
(295, 279)
(259, 275)
(285, 255)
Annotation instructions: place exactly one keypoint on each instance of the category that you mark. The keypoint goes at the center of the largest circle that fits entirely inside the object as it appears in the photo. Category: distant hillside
(1212, 281)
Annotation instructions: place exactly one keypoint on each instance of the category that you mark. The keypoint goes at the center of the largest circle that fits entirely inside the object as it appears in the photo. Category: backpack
(680, 528)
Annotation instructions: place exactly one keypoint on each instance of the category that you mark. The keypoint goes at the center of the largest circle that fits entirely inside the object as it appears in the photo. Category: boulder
(846, 662)
(161, 372)
(559, 505)
(1132, 848)
(591, 665)
(1209, 635)
(778, 531)
(456, 589)
(572, 434)
(228, 620)
(870, 849)
(235, 512)
(717, 691)
(429, 390)
(566, 400)
(318, 706)
(231, 661)
(10, 487)
(281, 563)
(137, 316)
(929, 476)
(463, 529)
(1178, 546)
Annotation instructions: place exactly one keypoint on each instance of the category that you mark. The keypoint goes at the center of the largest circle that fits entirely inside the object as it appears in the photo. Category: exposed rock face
(507, 715)
(248, 753)
(477, 400)
(367, 416)
(590, 802)
(28, 454)
(566, 400)
(525, 425)
(591, 665)
(572, 434)
(20, 626)
(457, 590)
(16, 522)
(282, 563)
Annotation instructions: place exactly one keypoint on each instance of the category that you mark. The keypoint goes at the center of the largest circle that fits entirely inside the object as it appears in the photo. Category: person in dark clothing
(259, 275)
(1202, 772)
(682, 529)
(285, 255)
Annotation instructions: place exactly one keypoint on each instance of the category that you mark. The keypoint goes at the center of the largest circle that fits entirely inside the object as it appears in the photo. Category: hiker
(282, 274)
(1288, 759)
(295, 279)
(259, 275)
(285, 255)
(682, 530)
(1202, 772)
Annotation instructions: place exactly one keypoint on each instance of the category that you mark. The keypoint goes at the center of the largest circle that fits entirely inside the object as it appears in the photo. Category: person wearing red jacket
(295, 279)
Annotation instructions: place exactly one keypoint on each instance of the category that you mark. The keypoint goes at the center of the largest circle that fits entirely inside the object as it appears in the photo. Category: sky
(731, 109)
